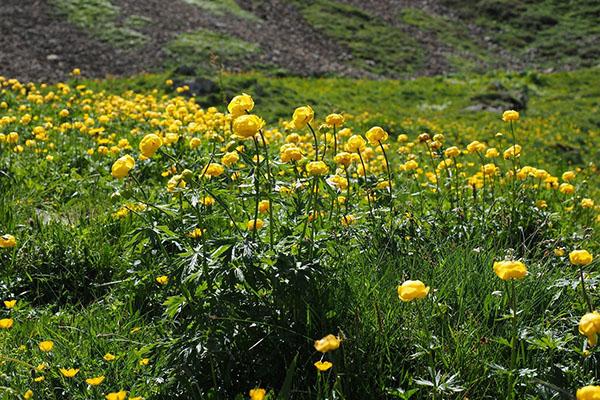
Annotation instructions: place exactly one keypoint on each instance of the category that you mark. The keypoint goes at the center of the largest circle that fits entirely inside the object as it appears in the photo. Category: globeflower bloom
(375, 135)
(7, 241)
(475, 147)
(334, 120)
(116, 395)
(255, 224)
(247, 126)
(411, 290)
(213, 170)
(508, 269)
(580, 257)
(162, 280)
(240, 105)
(510, 115)
(257, 394)
(6, 323)
(122, 166)
(69, 373)
(588, 393)
(95, 381)
(149, 144)
(10, 303)
(46, 346)
(327, 344)
(343, 158)
(323, 366)
(316, 168)
(356, 144)
(302, 116)
(512, 152)
(589, 326)
(566, 188)
(452, 152)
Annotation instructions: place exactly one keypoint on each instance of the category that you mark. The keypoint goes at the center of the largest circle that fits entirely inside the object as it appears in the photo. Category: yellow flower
(587, 203)
(257, 394)
(263, 206)
(589, 325)
(109, 357)
(323, 365)
(116, 395)
(492, 153)
(510, 269)
(28, 394)
(208, 201)
(290, 152)
(475, 147)
(559, 252)
(247, 126)
(240, 105)
(302, 116)
(122, 166)
(7, 241)
(162, 280)
(343, 158)
(512, 152)
(580, 257)
(411, 290)
(588, 393)
(6, 323)
(510, 115)
(63, 113)
(95, 381)
(213, 170)
(46, 346)
(252, 224)
(315, 168)
(452, 152)
(69, 373)
(489, 169)
(149, 144)
(39, 379)
(10, 303)
(356, 144)
(230, 158)
(195, 142)
(136, 398)
(196, 233)
(327, 343)
(348, 220)
(144, 361)
(568, 176)
(334, 120)
(76, 72)
(566, 188)
(375, 135)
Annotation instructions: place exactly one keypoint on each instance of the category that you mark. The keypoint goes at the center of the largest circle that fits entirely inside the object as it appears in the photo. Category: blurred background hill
(42, 40)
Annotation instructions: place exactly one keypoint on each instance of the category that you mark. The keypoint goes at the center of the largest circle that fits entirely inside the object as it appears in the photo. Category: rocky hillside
(44, 39)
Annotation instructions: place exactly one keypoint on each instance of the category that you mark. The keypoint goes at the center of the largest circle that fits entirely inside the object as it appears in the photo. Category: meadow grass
(155, 264)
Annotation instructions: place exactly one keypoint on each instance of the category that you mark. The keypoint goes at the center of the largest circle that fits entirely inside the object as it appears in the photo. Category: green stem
(256, 186)
(316, 141)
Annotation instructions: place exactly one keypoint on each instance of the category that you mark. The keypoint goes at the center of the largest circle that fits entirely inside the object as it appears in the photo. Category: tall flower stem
(514, 342)
(270, 187)
(347, 190)
(362, 162)
(256, 185)
(334, 141)
(316, 141)
(308, 207)
(390, 188)
(587, 299)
